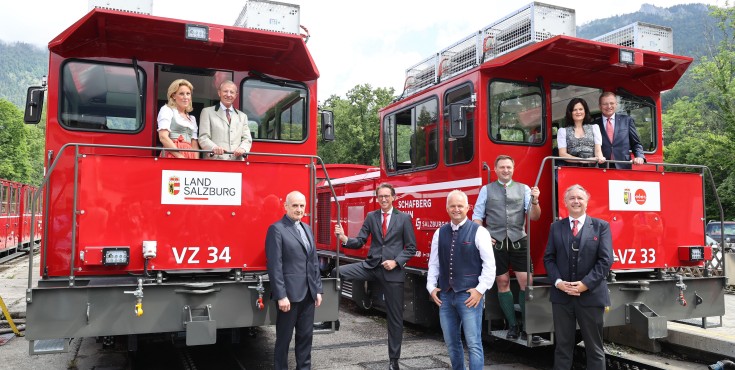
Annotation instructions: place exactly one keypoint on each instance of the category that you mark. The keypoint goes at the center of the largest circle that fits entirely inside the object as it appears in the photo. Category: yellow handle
(139, 309)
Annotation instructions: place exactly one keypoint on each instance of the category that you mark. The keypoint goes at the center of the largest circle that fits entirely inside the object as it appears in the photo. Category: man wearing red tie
(578, 258)
(392, 244)
(619, 134)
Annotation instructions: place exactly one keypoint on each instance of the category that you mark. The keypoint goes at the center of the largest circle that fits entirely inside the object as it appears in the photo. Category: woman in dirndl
(177, 129)
(579, 138)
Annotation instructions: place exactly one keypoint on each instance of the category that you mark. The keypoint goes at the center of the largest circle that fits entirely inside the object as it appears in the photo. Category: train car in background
(139, 245)
(504, 90)
(15, 218)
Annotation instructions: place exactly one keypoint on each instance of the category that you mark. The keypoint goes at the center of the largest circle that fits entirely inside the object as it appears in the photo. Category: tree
(700, 130)
(15, 163)
(357, 130)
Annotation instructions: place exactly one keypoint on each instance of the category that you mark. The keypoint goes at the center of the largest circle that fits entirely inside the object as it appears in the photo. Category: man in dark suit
(578, 259)
(295, 282)
(223, 128)
(392, 244)
(619, 134)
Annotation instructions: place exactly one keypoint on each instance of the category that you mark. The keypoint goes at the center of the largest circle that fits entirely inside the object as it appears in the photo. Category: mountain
(21, 66)
(694, 30)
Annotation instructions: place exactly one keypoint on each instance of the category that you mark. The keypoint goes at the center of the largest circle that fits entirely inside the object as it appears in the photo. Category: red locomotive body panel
(124, 201)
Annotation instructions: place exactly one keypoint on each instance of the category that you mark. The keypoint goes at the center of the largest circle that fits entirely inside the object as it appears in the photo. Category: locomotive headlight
(197, 32)
(627, 56)
(115, 256)
(695, 253)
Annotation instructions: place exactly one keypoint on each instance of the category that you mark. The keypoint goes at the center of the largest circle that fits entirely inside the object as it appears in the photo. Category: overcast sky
(352, 42)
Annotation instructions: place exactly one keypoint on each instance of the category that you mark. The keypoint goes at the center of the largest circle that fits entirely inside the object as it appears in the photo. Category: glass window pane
(101, 97)
(516, 113)
(459, 150)
(275, 112)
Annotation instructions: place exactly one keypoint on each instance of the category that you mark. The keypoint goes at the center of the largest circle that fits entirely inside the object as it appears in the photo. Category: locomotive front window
(516, 113)
(642, 110)
(410, 138)
(97, 96)
(275, 111)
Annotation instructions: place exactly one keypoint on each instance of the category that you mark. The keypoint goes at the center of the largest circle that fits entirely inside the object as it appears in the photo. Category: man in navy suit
(392, 244)
(578, 259)
(296, 284)
(619, 134)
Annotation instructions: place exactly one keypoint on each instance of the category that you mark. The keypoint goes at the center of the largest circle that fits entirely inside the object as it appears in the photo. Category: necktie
(303, 237)
(610, 132)
(574, 227)
(227, 113)
(385, 224)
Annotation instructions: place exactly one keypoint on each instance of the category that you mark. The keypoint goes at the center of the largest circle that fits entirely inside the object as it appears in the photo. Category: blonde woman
(177, 129)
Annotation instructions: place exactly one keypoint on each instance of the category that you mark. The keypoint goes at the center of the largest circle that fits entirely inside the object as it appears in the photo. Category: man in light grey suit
(295, 282)
(222, 128)
(392, 244)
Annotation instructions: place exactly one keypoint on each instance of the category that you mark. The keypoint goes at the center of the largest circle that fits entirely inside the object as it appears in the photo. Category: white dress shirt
(484, 244)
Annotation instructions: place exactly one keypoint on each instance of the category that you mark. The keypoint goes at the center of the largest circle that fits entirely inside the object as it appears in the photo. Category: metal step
(47, 346)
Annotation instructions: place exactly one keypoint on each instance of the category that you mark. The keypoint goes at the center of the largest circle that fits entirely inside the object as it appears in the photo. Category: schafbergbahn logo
(174, 185)
(626, 196)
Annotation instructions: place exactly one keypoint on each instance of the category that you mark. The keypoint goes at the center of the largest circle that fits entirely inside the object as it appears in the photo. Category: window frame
(394, 148)
(306, 99)
(446, 123)
(142, 97)
(543, 116)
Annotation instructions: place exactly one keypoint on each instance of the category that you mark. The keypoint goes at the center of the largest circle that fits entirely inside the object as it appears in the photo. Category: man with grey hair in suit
(222, 128)
(295, 281)
(578, 258)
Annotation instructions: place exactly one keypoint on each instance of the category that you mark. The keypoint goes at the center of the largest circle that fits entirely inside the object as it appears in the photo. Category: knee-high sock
(522, 303)
(506, 304)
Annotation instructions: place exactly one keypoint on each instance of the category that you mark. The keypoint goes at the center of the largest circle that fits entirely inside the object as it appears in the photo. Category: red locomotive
(140, 244)
(503, 90)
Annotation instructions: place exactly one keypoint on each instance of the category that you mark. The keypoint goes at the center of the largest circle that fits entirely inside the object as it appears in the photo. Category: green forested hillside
(21, 65)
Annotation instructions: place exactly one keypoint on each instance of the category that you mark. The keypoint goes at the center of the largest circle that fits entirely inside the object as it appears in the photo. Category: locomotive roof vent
(530, 24)
(130, 6)
(641, 35)
(270, 16)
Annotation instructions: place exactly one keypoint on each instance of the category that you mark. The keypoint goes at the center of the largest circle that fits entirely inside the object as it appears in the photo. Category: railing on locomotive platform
(315, 160)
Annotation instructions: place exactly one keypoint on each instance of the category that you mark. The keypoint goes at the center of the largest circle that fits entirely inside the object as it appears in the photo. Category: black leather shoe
(393, 364)
(512, 333)
(535, 339)
(323, 325)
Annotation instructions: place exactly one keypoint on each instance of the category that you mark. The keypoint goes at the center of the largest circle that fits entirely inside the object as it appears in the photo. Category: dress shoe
(323, 325)
(393, 364)
(512, 333)
(535, 339)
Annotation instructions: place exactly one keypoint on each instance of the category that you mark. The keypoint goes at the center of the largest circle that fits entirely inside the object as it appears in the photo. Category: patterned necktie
(574, 227)
(303, 237)
(385, 224)
(227, 113)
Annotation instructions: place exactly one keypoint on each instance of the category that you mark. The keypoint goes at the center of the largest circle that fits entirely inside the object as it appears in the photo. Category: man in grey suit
(619, 134)
(392, 244)
(295, 282)
(578, 258)
(222, 128)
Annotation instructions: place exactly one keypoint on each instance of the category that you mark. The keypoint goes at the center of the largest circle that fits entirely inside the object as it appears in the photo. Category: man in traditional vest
(461, 269)
(503, 205)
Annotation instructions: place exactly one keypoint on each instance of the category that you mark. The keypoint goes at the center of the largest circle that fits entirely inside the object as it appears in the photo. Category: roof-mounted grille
(641, 35)
(532, 23)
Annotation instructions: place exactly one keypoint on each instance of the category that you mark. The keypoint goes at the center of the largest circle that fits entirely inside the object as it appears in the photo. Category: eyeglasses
(383, 196)
(608, 104)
